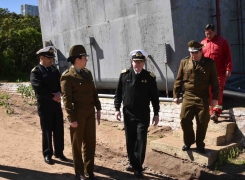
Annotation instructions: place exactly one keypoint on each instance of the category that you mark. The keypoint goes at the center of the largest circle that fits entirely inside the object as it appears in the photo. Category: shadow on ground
(9, 172)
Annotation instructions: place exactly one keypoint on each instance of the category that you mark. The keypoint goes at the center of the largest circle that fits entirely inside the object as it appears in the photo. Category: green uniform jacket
(196, 82)
(78, 92)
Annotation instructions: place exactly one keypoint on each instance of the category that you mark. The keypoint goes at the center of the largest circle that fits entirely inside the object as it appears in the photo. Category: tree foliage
(20, 38)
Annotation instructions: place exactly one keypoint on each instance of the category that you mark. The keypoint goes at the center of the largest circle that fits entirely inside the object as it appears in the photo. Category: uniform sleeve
(178, 84)
(96, 99)
(118, 94)
(227, 55)
(155, 97)
(41, 91)
(214, 82)
(58, 74)
(66, 90)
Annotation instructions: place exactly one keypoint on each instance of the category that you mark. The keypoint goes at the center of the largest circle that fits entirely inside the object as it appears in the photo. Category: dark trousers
(83, 139)
(136, 136)
(198, 108)
(52, 126)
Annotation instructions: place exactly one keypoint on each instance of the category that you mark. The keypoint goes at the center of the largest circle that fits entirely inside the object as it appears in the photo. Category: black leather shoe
(138, 174)
(48, 160)
(129, 168)
(201, 150)
(185, 147)
(91, 176)
(61, 157)
(80, 177)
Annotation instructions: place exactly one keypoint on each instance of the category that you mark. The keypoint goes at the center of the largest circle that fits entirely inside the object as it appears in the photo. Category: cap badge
(138, 54)
(51, 50)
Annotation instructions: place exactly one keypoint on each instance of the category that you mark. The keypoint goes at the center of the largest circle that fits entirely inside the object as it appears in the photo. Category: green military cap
(194, 46)
(77, 50)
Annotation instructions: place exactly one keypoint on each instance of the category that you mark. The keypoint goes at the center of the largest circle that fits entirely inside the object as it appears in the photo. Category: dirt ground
(21, 157)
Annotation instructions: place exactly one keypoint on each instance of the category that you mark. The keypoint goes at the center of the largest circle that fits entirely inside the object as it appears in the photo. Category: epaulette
(124, 70)
(33, 69)
(86, 69)
(152, 74)
(187, 57)
(66, 71)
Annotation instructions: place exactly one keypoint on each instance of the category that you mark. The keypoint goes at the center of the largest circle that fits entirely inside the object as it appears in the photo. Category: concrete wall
(120, 26)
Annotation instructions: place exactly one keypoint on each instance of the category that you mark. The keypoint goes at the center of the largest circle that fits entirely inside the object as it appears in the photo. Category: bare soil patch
(21, 156)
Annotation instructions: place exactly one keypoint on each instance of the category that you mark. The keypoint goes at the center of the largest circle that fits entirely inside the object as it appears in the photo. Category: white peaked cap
(44, 50)
(133, 53)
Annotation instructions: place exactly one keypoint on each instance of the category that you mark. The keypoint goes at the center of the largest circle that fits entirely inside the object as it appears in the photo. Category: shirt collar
(137, 72)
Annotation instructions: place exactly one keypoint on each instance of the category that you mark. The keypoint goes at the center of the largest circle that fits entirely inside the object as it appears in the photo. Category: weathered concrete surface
(173, 146)
(221, 135)
(239, 114)
(120, 26)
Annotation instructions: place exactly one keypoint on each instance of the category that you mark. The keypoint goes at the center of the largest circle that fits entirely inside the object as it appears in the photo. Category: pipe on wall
(111, 96)
(218, 17)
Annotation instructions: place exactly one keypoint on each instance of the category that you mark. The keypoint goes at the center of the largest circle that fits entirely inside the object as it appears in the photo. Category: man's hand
(74, 124)
(98, 116)
(118, 115)
(57, 97)
(228, 73)
(214, 103)
(155, 120)
(176, 100)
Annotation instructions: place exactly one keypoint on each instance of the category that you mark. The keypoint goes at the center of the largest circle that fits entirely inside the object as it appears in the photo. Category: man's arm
(38, 86)
(178, 84)
(66, 90)
(118, 98)
(155, 102)
(227, 56)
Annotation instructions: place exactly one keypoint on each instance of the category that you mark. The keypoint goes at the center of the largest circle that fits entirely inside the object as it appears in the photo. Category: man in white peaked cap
(45, 80)
(136, 88)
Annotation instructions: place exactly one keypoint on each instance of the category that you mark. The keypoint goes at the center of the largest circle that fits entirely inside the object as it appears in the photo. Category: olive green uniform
(80, 97)
(196, 81)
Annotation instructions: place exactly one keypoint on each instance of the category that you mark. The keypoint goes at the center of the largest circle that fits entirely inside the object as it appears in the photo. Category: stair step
(223, 127)
(212, 138)
(173, 146)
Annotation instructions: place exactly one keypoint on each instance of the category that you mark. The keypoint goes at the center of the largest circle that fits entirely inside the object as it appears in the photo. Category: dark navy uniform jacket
(136, 91)
(45, 83)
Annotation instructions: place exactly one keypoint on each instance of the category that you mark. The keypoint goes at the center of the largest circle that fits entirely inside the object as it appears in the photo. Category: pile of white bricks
(168, 115)
(239, 116)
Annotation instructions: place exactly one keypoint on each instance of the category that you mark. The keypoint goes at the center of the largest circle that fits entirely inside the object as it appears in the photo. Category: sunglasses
(138, 61)
(195, 52)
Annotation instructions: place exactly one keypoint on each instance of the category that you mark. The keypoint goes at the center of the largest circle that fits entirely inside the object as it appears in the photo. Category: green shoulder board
(66, 71)
(187, 57)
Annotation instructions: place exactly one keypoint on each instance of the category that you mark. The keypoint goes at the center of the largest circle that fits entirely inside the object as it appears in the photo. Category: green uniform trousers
(198, 108)
(83, 140)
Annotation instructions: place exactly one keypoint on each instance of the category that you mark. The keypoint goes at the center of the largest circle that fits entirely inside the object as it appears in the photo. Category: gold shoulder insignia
(33, 68)
(85, 69)
(125, 70)
(152, 74)
(66, 71)
(187, 57)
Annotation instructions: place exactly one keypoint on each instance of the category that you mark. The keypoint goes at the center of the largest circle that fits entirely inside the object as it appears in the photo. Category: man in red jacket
(217, 48)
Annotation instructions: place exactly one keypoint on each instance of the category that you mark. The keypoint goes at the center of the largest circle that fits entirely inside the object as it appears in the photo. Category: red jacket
(218, 50)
